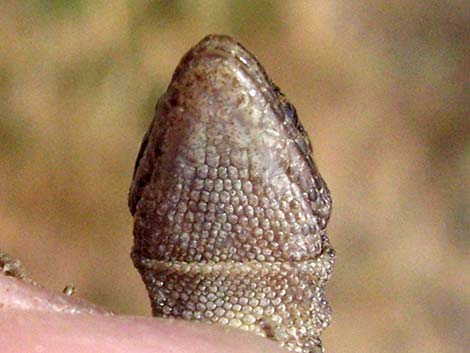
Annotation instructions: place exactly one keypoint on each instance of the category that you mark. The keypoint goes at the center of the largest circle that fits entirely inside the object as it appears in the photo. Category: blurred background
(379, 85)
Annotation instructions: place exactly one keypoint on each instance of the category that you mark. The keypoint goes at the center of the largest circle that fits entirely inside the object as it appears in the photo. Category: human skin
(36, 319)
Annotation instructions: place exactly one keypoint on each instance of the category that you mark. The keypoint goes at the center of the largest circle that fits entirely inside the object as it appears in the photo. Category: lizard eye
(291, 113)
(288, 108)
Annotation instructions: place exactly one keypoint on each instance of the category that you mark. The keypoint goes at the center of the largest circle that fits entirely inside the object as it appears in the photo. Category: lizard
(230, 210)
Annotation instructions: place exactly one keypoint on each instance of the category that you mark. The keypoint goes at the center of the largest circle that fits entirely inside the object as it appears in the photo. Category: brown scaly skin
(230, 210)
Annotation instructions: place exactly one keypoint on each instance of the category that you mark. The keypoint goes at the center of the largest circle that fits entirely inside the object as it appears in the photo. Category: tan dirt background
(379, 85)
